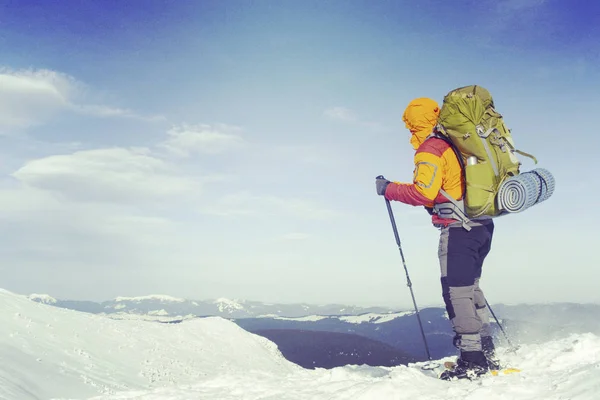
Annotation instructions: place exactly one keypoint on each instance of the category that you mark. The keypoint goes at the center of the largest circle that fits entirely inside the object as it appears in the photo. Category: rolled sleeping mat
(520, 192)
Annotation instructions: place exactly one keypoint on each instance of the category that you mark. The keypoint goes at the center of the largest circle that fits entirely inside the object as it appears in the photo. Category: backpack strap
(526, 155)
(454, 209)
(438, 135)
(516, 150)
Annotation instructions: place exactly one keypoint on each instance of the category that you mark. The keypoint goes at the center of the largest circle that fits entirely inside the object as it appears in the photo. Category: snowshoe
(489, 350)
(470, 365)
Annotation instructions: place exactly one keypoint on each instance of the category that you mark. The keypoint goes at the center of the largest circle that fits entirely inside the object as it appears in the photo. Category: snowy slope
(52, 353)
(567, 369)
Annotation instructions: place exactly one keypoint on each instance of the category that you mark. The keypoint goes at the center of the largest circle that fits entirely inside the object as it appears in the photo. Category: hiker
(463, 246)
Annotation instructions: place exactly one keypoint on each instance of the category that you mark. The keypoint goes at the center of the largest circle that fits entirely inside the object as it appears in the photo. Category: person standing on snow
(461, 252)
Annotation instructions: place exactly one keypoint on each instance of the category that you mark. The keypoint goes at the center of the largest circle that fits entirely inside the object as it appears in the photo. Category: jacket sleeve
(427, 182)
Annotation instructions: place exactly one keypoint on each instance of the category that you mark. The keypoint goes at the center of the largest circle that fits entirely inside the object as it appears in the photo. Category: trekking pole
(408, 282)
(513, 348)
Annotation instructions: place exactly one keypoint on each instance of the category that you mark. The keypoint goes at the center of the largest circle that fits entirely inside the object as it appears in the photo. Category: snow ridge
(375, 318)
(158, 297)
(42, 298)
(227, 305)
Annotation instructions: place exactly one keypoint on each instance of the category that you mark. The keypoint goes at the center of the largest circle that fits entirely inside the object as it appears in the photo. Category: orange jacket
(436, 164)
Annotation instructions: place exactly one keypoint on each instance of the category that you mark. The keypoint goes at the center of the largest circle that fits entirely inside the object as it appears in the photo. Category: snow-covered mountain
(168, 306)
(399, 330)
(370, 317)
(53, 353)
(42, 298)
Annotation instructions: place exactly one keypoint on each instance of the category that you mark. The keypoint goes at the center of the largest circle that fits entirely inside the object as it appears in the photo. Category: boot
(469, 365)
(489, 350)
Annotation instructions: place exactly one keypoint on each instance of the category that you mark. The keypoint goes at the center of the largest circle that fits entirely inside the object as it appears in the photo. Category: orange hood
(420, 117)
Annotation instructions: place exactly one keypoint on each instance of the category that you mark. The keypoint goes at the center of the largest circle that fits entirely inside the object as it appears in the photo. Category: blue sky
(229, 148)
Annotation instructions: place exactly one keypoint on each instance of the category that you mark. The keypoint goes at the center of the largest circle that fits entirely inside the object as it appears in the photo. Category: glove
(381, 184)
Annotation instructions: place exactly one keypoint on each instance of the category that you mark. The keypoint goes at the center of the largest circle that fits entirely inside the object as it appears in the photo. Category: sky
(207, 149)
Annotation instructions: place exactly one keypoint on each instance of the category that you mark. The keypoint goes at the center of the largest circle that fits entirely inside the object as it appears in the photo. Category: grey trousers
(461, 255)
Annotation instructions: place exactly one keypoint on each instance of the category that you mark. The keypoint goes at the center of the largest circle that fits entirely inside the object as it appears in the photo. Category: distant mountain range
(331, 335)
(399, 330)
(167, 306)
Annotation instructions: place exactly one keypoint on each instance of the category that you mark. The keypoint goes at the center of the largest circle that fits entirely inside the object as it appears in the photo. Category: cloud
(106, 175)
(32, 97)
(47, 231)
(185, 140)
(295, 236)
(76, 213)
(28, 98)
(95, 210)
(25, 200)
(106, 111)
(347, 116)
(340, 114)
(247, 204)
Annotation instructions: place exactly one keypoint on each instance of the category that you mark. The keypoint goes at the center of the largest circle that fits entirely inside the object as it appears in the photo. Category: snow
(374, 317)
(307, 318)
(353, 319)
(61, 353)
(227, 305)
(42, 298)
(148, 317)
(157, 297)
(158, 312)
(56, 353)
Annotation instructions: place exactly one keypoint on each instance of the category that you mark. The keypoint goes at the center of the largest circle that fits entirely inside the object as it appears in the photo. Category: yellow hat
(420, 117)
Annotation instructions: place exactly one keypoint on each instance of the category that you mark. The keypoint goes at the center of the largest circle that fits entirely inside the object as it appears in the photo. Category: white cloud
(247, 204)
(294, 236)
(28, 98)
(185, 140)
(340, 114)
(348, 116)
(32, 97)
(25, 200)
(106, 111)
(113, 175)
(75, 213)
(59, 233)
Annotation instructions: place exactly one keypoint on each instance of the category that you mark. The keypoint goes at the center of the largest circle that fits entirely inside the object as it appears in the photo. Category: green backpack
(483, 144)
